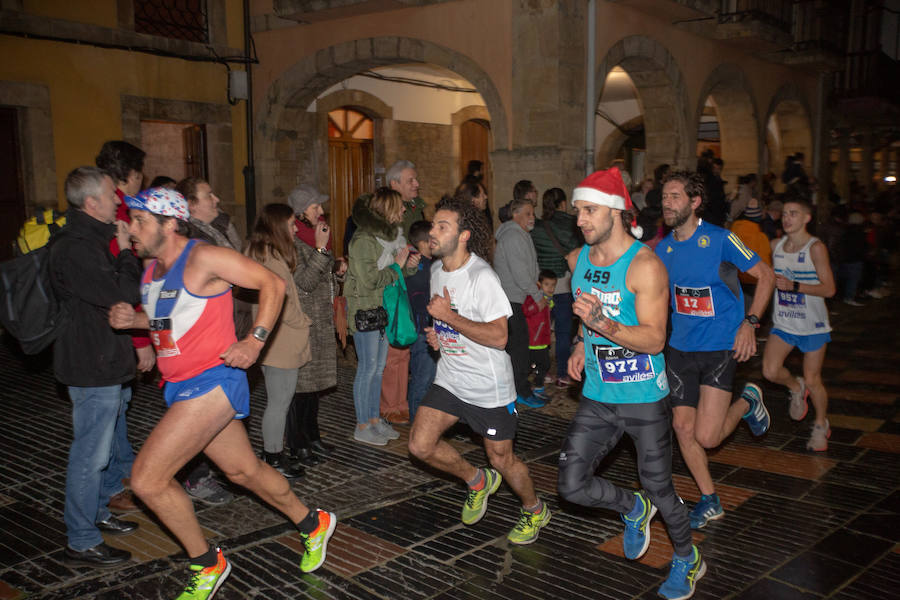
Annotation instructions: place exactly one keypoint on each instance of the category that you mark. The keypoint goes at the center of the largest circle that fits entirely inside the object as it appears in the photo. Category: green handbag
(401, 329)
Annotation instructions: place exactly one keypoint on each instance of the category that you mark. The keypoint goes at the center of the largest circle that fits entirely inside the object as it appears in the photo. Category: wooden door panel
(12, 197)
(475, 144)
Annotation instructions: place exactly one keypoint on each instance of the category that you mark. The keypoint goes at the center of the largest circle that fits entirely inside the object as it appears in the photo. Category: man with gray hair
(402, 178)
(515, 262)
(95, 361)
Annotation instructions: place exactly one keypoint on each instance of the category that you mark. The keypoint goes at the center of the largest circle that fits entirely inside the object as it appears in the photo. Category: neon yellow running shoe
(316, 543)
(476, 500)
(206, 581)
(529, 526)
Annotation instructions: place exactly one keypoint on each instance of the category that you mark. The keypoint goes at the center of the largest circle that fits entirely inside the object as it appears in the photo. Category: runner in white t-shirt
(474, 380)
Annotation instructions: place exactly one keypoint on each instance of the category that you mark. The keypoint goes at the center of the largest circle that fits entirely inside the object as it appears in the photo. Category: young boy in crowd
(537, 314)
(422, 359)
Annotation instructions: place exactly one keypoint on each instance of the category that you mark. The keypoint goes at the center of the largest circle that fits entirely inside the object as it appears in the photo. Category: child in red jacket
(537, 314)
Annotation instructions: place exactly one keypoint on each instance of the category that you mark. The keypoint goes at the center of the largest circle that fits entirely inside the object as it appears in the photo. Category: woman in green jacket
(377, 244)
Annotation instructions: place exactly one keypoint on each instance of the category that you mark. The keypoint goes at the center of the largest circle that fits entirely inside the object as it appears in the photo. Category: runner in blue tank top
(621, 297)
(710, 333)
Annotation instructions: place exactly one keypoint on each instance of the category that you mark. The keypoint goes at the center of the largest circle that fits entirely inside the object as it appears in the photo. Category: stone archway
(739, 127)
(285, 132)
(609, 148)
(788, 128)
(662, 94)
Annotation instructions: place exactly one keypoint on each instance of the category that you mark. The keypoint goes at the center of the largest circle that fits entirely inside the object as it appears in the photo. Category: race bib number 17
(695, 302)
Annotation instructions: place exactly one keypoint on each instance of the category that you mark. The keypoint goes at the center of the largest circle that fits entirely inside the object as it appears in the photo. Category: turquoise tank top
(614, 374)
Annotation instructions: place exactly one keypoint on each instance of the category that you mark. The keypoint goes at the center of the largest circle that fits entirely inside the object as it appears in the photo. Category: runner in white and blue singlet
(803, 279)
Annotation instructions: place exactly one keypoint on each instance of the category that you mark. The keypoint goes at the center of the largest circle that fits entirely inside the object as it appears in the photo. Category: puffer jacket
(548, 256)
(371, 252)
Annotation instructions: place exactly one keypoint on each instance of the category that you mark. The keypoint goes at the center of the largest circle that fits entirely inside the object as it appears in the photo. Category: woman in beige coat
(272, 245)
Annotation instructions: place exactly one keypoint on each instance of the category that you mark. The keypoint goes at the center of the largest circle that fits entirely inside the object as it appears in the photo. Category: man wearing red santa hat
(621, 296)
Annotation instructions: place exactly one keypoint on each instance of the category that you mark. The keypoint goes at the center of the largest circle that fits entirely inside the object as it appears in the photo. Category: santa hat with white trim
(607, 189)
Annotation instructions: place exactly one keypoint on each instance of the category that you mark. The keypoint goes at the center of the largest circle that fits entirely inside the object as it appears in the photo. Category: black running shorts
(687, 371)
(491, 423)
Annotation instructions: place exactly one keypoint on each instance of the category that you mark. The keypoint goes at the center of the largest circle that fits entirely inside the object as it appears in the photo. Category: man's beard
(680, 218)
(149, 251)
(441, 252)
(602, 236)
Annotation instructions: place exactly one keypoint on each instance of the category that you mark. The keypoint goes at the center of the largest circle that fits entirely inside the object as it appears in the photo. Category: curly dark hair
(470, 219)
(120, 158)
(693, 186)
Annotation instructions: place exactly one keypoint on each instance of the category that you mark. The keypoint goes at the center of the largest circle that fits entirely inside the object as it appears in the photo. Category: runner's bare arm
(216, 264)
(745, 340)
(648, 279)
(492, 334)
(825, 287)
(123, 316)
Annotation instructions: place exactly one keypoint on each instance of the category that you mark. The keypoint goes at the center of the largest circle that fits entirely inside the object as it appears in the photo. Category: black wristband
(796, 286)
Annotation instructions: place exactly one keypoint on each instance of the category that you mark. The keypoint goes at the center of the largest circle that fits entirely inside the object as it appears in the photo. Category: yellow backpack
(38, 229)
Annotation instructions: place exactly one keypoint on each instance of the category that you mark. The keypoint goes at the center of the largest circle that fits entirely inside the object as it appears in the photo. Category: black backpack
(29, 309)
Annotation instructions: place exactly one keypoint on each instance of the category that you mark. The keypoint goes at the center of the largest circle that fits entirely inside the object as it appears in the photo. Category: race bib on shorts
(161, 336)
(694, 302)
(621, 365)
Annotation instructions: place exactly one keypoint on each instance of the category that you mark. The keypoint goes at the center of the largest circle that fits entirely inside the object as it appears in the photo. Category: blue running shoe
(757, 416)
(541, 394)
(530, 402)
(708, 509)
(637, 530)
(683, 577)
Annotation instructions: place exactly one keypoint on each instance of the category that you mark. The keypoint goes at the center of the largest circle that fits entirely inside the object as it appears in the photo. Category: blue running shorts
(804, 343)
(232, 381)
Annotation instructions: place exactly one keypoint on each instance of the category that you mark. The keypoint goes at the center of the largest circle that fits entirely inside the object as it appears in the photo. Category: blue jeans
(95, 472)
(849, 275)
(371, 354)
(422, 366)
(562, 324)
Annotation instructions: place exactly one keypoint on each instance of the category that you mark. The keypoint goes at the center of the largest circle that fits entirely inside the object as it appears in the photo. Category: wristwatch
(796, 286)
(753, 320)
(322, 251)
(260, 333)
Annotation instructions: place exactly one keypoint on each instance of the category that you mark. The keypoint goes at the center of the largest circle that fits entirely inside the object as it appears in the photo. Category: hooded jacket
(515, 262)
(89, 280)
(371, 252)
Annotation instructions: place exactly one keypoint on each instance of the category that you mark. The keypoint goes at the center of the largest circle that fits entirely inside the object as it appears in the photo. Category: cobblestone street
(797, 525)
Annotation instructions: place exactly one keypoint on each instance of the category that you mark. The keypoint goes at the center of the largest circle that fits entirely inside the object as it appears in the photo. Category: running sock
(478, 481)
(536, 508)
(687, 557)
(637, 510)
(207, 559)
(309, 523)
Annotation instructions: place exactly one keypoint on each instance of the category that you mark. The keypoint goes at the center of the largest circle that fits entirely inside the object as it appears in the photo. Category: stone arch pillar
(285, 133)
(32, 101)
(790, 129)
(661, 93)
(738, 121)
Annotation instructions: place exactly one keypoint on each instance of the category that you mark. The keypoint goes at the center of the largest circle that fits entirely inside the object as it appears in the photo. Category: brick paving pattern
(797, 525)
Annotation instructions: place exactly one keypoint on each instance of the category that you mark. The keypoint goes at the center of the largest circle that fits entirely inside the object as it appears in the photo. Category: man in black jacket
(95, 361)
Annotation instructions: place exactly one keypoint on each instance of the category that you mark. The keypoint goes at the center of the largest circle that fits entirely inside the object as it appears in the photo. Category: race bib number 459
(696, 302)
(621, 365)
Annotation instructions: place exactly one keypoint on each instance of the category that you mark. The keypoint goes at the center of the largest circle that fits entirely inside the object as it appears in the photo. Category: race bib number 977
(621, 365)
(696, 302)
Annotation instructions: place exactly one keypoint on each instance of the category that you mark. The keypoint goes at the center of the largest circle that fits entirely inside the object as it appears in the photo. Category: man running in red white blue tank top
(186, 294)
(621, 297)
(710, 332)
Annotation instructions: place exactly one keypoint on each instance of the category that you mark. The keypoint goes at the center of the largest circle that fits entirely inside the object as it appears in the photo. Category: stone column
(842, 174)
(868, 161)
